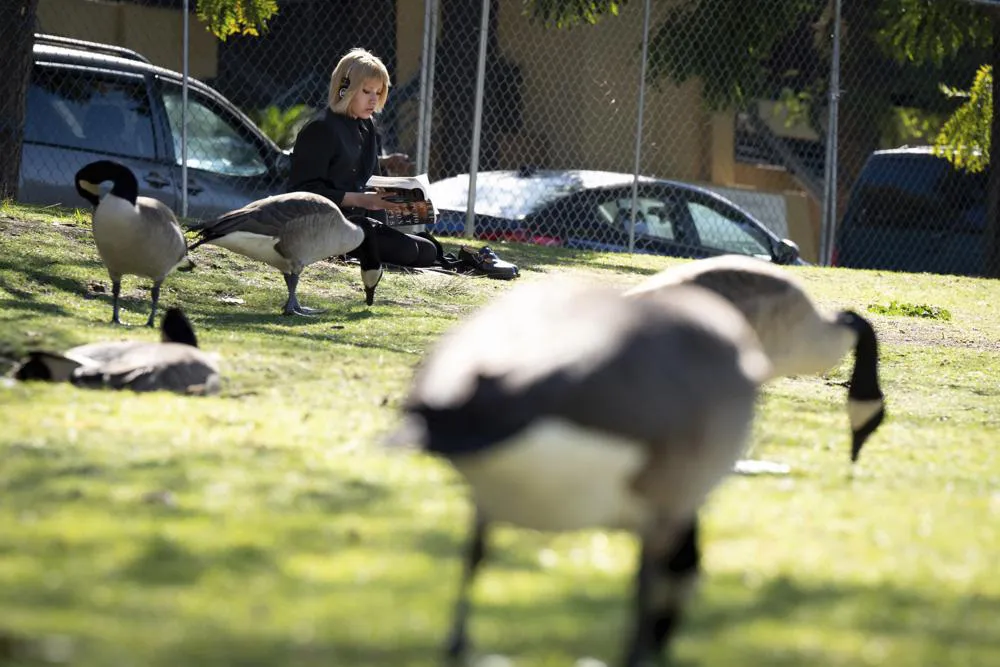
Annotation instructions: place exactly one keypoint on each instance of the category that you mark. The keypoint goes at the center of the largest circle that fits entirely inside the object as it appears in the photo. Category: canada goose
(565, 407)
(134, 235)
(798, 338)
(174, 364)
(291, 231)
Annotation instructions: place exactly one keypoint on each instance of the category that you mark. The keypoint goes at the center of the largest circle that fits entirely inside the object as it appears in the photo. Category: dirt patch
(928, 333)
(16, 226)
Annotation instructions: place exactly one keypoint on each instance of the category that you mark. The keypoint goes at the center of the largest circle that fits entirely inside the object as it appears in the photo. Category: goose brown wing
(266, 217)
(635, 369)
(172, 367)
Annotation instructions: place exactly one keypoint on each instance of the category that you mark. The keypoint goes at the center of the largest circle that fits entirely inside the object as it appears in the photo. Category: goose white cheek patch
(860, 412)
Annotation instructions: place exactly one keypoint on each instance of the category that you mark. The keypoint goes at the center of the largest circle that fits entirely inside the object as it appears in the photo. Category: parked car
(88, 101)
(911, 210)
(593, 210)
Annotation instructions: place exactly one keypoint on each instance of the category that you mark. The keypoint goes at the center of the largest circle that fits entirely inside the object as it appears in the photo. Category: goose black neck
(34, 369)
(368, 252)
(864, 378)
(176, 328)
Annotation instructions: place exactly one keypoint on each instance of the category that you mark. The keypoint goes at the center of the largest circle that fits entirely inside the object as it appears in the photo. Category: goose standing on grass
(134, 235)
(566, 407)
(796, 336)
(291, 231)
(174, 364)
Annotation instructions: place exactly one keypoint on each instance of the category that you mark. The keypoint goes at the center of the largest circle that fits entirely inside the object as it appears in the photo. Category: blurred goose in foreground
(174, 364)
(291, 231)
(566, 407)
(797, 337)
(134, 235)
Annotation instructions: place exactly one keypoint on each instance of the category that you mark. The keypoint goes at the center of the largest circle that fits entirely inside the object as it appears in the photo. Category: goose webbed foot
(297, 309)
(292, 306)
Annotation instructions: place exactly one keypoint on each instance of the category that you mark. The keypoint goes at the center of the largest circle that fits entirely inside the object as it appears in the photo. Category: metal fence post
(426, 106)
(828, 236)
(638, 129)
(184, 109)
(477, 126)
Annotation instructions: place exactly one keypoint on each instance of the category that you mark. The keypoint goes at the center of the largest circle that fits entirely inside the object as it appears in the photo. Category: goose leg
(292, 306)
(663, 585)
(458, 640)
(116, 289)
(156, 300)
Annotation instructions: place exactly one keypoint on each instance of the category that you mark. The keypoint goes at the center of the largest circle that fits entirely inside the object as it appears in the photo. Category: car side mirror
(787, 252)
(283, 164)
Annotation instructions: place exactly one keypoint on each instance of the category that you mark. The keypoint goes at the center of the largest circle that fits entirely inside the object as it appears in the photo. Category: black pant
(396, 247)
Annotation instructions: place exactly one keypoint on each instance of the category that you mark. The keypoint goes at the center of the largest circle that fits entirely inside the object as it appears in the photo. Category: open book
(411, 191)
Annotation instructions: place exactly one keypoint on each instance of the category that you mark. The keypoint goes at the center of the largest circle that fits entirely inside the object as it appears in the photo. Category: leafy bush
(282, 125)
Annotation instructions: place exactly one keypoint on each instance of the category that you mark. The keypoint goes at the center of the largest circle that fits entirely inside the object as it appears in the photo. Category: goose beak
(861, 434)
(370, 278)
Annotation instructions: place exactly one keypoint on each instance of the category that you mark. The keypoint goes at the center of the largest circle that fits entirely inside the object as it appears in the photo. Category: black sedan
(593, 210)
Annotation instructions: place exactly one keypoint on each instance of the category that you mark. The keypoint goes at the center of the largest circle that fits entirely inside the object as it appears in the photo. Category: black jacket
(334, 154)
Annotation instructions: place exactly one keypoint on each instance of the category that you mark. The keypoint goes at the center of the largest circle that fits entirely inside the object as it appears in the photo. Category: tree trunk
(991, 250)
(17, 34)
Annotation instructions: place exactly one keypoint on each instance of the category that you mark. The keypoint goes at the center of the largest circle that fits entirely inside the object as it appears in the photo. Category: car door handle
(194, 189)
(154, 180)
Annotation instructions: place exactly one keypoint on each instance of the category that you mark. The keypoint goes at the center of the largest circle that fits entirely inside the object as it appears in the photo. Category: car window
(653, 217)
(78, 108)
(917, 192)
(719, 230)
(215, 142)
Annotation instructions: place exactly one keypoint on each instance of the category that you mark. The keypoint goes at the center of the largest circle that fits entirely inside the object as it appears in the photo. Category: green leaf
(236, 17)
(964, 140)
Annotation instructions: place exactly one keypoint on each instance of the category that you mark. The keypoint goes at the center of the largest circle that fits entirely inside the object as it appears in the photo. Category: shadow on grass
(575, 624)
(257, 651)
(168, 562)
(529, 257)
(264, 321)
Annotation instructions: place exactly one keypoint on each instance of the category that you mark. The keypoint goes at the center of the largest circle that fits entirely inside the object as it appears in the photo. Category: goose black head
(176, 328)
(89, 178)
(865, 400)
(33, 368)
(45, 367)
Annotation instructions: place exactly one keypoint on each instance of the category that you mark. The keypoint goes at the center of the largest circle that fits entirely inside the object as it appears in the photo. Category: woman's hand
(373, 201)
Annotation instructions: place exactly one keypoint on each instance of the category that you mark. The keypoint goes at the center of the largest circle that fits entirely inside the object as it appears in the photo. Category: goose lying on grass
(798, 338)
(565, 407)
(291, 231)
(173, 364)
(134, 235)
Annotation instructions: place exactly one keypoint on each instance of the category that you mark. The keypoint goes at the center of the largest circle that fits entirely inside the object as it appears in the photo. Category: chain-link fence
(678, 128)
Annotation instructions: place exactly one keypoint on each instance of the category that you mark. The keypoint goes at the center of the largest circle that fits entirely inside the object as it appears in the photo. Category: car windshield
(511, 195)
(910, 191)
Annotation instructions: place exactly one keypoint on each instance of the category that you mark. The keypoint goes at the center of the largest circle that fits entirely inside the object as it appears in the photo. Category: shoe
(486, 262)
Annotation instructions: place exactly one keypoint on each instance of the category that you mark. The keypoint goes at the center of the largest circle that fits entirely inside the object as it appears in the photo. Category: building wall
(155, 32)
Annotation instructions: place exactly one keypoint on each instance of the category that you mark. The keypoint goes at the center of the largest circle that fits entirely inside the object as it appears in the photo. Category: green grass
(266, 527)
(910, 310)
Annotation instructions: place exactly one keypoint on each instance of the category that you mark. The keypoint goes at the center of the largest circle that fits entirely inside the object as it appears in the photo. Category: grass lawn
(266, 527)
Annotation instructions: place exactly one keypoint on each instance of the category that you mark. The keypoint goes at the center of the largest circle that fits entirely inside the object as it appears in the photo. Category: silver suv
(88, 101)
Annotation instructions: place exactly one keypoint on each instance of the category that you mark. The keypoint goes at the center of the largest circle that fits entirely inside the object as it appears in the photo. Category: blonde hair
(354, 68)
